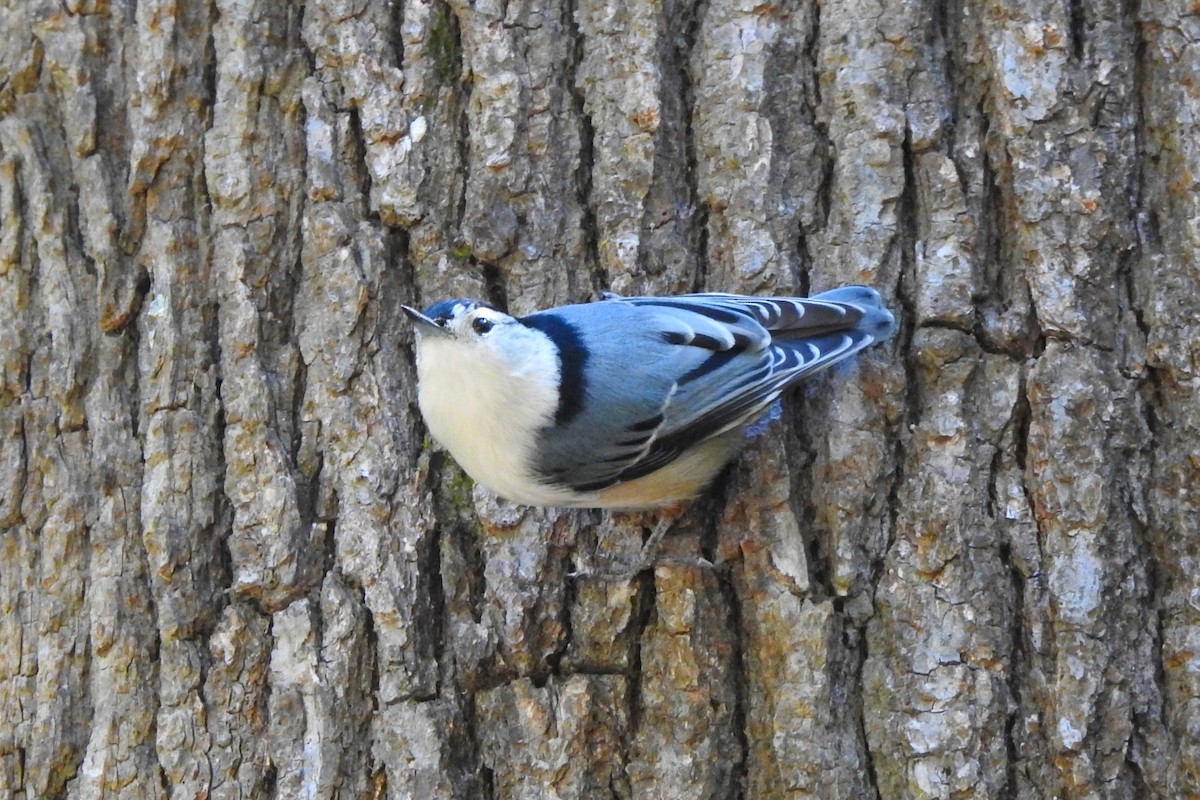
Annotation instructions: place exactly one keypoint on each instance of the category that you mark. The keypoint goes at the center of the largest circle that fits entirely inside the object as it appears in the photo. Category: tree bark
(232, 563)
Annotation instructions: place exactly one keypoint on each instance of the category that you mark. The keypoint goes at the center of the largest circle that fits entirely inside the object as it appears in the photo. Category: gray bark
(232, 564)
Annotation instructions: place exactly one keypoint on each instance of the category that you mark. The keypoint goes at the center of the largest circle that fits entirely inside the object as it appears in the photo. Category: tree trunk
(232, 563)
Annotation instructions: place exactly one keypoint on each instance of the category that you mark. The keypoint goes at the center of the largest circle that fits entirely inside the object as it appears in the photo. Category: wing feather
(705, 364)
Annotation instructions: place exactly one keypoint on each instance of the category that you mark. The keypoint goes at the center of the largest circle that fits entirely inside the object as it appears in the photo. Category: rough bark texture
(233, 565)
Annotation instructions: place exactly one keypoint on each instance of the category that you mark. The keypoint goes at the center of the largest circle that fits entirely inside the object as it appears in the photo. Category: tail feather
(877, 321)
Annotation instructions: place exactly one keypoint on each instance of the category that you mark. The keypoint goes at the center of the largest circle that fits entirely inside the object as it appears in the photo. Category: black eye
(481, 325)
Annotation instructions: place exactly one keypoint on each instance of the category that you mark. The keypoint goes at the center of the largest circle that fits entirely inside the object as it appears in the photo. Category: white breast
(487, 411)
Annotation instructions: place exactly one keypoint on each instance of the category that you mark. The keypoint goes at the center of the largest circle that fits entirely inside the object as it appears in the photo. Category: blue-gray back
(646, 378)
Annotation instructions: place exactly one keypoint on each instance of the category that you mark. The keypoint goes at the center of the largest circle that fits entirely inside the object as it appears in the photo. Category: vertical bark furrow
(1166, 285)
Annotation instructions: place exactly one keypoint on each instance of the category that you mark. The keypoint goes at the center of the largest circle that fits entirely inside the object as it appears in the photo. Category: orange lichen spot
(379, 785)
(1179, 660)
(55, 22)
(114, 317)
(646, 119)
(389, 137)
(769, 10)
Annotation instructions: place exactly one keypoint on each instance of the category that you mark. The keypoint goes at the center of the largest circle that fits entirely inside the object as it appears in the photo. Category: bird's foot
(647, 557)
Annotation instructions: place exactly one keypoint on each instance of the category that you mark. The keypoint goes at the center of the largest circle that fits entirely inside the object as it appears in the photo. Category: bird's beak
(424, 325)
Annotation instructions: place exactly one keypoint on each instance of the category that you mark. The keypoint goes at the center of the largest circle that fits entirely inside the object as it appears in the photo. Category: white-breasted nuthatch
(628, 402)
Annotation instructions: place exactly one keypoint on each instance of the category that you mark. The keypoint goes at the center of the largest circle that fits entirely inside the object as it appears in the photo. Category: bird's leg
(647, 556)
(649, 551)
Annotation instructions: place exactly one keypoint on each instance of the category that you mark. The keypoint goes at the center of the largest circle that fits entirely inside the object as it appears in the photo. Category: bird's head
(465, 320)
(470, 334)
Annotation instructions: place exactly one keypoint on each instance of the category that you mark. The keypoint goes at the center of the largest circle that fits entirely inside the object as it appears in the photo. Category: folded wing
(710, 363)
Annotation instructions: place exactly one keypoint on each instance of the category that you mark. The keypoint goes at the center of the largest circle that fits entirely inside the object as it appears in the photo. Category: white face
(487, 386)
(484, 338)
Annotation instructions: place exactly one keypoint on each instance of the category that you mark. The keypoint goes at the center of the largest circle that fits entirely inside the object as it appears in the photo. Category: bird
(627, 403)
